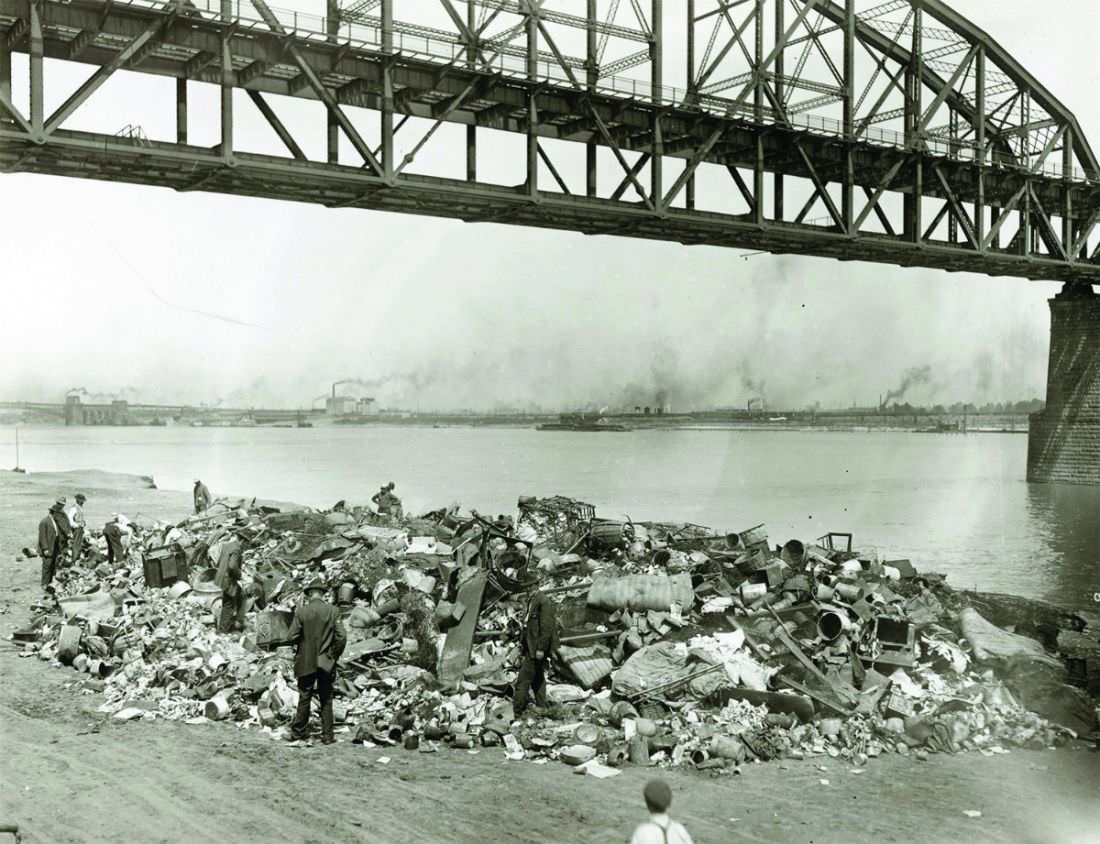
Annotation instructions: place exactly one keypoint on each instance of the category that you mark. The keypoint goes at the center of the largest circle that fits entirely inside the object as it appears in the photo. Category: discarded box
(273, 627)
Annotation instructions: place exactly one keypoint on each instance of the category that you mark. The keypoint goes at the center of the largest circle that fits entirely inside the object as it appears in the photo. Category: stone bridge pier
(1064, 439)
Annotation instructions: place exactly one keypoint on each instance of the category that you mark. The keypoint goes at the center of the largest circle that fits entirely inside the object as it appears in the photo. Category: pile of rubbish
(679, 645)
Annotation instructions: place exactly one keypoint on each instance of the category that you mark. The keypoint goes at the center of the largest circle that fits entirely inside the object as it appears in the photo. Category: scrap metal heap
(679, 645)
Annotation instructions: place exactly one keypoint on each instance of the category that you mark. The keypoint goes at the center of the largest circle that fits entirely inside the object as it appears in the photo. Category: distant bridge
(124, 413)
(895, 131)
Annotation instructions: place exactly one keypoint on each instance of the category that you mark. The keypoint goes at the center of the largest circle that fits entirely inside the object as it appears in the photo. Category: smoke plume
(913, 377)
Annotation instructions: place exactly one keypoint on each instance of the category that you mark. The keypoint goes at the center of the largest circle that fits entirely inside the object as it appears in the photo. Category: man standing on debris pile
(320, 637)
(388, 503)
(112, 532)
(202, 497)
(228, 577)
(76, 519)
(64, 527)
(540, 639)
(49, 544)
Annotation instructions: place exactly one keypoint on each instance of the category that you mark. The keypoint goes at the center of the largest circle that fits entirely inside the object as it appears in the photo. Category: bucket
(832, 622)
(434, 733)
(848, 591)
(464, 741)
(80, 662)
(699, 756)
(216, 708)
(99, 667)
(752, 591)
(891, 573)
(412, 741)
(824, 593)
(395, 733)
(794, 553)
(179, 589)
(727, 747)
(345, 592)
(639, 751)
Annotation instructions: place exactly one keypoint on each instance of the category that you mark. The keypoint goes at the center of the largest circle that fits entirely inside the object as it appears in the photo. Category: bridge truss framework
(895, 132)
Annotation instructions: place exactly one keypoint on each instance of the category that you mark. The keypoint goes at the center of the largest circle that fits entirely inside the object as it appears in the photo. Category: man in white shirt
(76, 519)
(660, 828)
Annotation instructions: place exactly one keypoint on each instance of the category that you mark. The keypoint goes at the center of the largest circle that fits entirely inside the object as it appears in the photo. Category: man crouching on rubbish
(540, 639)
(317, 631)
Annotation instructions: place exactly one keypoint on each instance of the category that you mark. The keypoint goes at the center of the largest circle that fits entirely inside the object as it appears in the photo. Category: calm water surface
(955, 504)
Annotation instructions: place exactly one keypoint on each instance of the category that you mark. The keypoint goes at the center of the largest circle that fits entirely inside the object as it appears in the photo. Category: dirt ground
(69, 773)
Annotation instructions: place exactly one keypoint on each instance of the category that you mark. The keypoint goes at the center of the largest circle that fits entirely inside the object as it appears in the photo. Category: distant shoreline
(919, 424)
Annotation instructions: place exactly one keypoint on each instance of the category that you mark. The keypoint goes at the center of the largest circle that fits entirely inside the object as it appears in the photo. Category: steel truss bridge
(895, 132)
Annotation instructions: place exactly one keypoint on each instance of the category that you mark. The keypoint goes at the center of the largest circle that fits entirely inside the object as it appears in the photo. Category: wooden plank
(824, 701)
(460, 638)
(842, 690)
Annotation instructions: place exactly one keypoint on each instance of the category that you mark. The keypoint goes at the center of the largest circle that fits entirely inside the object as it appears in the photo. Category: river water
(956, 504)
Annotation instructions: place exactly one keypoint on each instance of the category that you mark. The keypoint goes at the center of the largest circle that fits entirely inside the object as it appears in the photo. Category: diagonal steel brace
(323, 93)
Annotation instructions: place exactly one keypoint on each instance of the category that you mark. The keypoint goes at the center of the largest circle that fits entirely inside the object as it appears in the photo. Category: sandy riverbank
(70, 773)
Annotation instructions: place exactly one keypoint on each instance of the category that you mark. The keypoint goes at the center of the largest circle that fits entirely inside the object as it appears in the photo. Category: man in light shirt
(76, 519)
(660, 828)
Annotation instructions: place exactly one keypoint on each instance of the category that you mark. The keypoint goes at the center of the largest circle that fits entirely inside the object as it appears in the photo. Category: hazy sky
(476, 315)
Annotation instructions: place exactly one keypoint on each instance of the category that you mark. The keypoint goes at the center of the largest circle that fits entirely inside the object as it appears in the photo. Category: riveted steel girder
(1011, 185)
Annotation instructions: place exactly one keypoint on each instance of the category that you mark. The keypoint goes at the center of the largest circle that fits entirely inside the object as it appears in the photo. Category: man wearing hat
(388, 503)
(112, 532)
(228, 577)
(540, 639)
(202, 497)
(49, 543)
(76, 519)
(660, 828)
(317, 631)
(64, 527)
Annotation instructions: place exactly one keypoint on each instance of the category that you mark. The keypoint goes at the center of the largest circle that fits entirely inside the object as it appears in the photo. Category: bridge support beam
(1064, 437)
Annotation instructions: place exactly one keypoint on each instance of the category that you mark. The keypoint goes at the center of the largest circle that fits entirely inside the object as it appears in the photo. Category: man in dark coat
(320, 636)
(64, 527)
(112, 532)
(49, 544)
(540, 639)
(228, 577)
(202, 497)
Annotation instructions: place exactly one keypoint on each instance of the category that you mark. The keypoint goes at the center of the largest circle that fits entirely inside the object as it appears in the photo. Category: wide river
(956, 504)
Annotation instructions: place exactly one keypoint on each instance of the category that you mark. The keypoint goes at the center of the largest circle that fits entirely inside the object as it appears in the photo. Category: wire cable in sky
(152, 290)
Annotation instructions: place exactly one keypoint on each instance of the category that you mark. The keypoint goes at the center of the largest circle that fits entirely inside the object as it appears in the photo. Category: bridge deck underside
(87, 155)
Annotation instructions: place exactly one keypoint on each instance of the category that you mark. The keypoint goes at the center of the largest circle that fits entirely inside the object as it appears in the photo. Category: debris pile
(678, 644)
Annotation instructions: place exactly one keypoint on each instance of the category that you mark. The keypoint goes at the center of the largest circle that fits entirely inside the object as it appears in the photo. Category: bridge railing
(432, 44)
